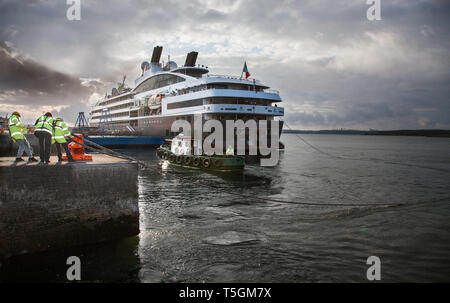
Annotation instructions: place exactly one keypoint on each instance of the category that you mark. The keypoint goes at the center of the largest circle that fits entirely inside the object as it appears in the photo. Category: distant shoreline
(406, 132)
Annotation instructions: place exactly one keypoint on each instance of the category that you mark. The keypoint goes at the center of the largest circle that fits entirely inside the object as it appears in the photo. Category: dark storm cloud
(333, 67)
(28, 86)
(19, 73)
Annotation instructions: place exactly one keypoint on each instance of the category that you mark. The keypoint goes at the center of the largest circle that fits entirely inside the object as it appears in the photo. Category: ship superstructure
(165, 93)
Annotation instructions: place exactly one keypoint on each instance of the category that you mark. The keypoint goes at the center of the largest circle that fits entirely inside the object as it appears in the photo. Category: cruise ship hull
(160, 127)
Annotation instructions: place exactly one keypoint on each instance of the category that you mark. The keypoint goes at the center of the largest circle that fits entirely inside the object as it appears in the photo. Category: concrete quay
(8, 148)
(45, 207)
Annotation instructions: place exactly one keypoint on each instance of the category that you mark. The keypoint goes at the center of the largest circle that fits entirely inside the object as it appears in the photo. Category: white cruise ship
(164, 93)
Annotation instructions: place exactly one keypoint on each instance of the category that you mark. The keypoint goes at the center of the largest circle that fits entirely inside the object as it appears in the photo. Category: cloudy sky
(333, 67)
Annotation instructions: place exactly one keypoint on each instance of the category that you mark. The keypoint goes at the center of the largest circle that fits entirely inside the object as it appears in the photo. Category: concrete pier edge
(45, 207)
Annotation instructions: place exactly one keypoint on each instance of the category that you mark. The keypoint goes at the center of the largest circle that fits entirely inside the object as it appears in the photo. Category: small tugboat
(181, 152)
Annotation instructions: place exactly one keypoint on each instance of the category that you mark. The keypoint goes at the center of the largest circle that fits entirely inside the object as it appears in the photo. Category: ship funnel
(191, 59)
(156, 54)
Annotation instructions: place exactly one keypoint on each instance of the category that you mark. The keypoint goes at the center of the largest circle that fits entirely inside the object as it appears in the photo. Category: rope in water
(364, 159)
(284, 201)
(307, 203)
(110, 152)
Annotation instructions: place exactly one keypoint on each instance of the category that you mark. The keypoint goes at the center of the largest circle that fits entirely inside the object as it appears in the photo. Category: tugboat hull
(220, 163)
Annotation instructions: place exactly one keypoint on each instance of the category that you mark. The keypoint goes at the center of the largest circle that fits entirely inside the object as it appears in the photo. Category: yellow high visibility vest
(15, 128)
(44, 123)
(60, 131)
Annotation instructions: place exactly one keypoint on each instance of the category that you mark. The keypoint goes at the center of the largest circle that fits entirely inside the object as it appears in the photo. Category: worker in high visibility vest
(44, 131)
(60, 132)
(16, 129)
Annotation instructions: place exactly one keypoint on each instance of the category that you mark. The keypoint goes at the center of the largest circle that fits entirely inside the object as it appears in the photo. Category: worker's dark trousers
(66, 148)
(45, 143)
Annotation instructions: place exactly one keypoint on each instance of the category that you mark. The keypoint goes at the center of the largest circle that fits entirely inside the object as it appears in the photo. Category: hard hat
(16, 114)
(58, 119)
(48, 114)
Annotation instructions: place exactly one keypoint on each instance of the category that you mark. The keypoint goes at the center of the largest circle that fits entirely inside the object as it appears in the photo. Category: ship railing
(272, 91)
(183, 91)
(230, 77)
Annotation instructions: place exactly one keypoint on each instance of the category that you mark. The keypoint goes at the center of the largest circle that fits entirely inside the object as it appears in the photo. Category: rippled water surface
(198, 226)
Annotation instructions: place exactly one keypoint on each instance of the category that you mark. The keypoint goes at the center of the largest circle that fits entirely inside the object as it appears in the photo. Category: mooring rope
(110, 152)
(307, 203)
(107, 151)
(312, 146)
(364, 159)
(225, 191)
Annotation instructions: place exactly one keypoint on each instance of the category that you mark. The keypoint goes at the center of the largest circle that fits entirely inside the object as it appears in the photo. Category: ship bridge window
(182, 104)
(157, 82)
(243, 101)
(217, 86)
(234, 86)
(193, 72)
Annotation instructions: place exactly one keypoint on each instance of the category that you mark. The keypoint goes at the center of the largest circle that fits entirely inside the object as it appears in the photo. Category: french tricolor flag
(245, 70)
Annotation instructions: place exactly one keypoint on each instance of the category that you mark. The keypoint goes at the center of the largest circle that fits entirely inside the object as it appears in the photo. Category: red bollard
(77, 150)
